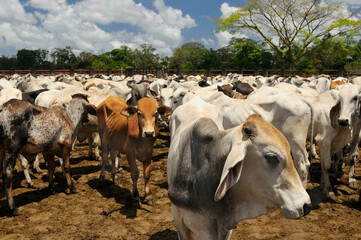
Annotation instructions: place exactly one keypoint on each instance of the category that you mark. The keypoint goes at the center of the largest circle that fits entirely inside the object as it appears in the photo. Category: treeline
(239, 53)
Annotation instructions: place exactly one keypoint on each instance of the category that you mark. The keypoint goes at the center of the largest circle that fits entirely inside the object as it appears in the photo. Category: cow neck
(75, 110)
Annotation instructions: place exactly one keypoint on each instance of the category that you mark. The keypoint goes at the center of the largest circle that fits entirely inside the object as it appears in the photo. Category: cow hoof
(13, 212)
(136, 203)
(148, 200)
(353, 184)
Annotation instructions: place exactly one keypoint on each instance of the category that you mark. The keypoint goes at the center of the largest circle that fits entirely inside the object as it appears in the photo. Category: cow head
(347, 107)
(227, 89)
(147, 112)
(260, 167)
(166, 97)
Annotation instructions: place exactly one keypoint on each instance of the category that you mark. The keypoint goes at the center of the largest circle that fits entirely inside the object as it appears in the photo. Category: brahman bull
(131, 130)
(217, 178)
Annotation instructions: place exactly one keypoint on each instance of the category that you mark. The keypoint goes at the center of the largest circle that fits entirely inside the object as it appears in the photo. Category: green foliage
(190, 55)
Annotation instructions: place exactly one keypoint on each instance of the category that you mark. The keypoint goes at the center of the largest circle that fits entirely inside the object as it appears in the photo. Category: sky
(99, 26)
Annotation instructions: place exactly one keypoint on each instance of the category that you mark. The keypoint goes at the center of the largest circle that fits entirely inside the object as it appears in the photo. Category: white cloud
(208, 41)
(224, 37)
(55, 23)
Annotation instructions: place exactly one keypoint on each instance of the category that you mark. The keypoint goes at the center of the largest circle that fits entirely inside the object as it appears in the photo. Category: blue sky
(99, 26)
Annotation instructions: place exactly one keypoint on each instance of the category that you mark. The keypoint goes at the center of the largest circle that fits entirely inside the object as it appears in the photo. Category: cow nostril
(306, 209)
(343, 122)
(149, 133)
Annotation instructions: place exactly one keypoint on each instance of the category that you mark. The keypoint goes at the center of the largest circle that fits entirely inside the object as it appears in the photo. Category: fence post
(223, 72)
(241, 71)
(282, 72)
(179, 72)
(194, 72)
(32, 72)
(341, 72)
(256, 72)
(208, 72)
(91, 72)
(72, 72)
(109, 71)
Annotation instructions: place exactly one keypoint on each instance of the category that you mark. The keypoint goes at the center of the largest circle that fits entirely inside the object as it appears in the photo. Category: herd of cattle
(238, 143)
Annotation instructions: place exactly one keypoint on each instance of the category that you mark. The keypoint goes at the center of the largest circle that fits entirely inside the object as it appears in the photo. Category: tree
(26, 59)
(190, 56)
(63, 57)
(288, 25)
(85, 60)
(145, 57)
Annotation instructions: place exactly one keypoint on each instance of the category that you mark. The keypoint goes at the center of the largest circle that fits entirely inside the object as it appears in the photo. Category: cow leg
(352, 156)
(51, 169)
(314, 152)
(7, 176)
(182, 230)
(147, 167)
(105, 153)
(300, 158)
(25, 164)
(36, 164)
(113, 157)
(94, 142)
(66, 162)
(135, 175)
(325, 154)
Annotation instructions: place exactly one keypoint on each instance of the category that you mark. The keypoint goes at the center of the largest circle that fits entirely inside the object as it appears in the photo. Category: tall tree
(26, 59)
(292, 24)
(190, 55)
(63, 57)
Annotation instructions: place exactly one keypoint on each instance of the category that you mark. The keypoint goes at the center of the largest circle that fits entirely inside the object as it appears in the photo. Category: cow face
(147, 111)
(349, 104)
(261, 169)
(166, 97)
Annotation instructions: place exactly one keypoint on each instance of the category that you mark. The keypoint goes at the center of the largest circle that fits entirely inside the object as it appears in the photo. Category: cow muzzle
(343, 122)
(148, 134)
(307, 209)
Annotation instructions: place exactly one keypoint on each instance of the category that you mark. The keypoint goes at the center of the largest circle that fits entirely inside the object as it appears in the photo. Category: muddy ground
(107, 213)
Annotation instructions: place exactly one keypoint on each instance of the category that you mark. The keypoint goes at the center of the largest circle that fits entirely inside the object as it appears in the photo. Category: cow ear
(151, 93)
(164, 110)
(334, 114)
(231, 171)
(91, 109)
(129, 111)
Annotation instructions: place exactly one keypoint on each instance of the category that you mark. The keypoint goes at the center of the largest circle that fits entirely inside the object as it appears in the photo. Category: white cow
(290, 114)
(218, 178)
(336, 124)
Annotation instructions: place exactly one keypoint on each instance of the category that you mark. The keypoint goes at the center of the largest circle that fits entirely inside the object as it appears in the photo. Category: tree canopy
(292, 28)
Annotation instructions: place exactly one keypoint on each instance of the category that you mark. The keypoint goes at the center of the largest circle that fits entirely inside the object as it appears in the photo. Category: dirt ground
(107, 213)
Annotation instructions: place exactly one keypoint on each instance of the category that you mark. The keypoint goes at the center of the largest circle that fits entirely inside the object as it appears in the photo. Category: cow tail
(310, 129)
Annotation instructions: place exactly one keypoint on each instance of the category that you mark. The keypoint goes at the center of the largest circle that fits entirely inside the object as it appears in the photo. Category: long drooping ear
(91, 109)
(151, 93)
(164, 110)
(129, 111)
(232, 168)
(334, 113)
(231, 171)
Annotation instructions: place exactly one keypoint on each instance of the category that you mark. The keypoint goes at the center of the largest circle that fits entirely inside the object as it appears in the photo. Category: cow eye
(355, 98)
(140, 114)
(272, 160)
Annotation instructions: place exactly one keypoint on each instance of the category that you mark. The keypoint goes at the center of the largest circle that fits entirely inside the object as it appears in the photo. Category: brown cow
(227, 89)
(336, 83)
(131, 130)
